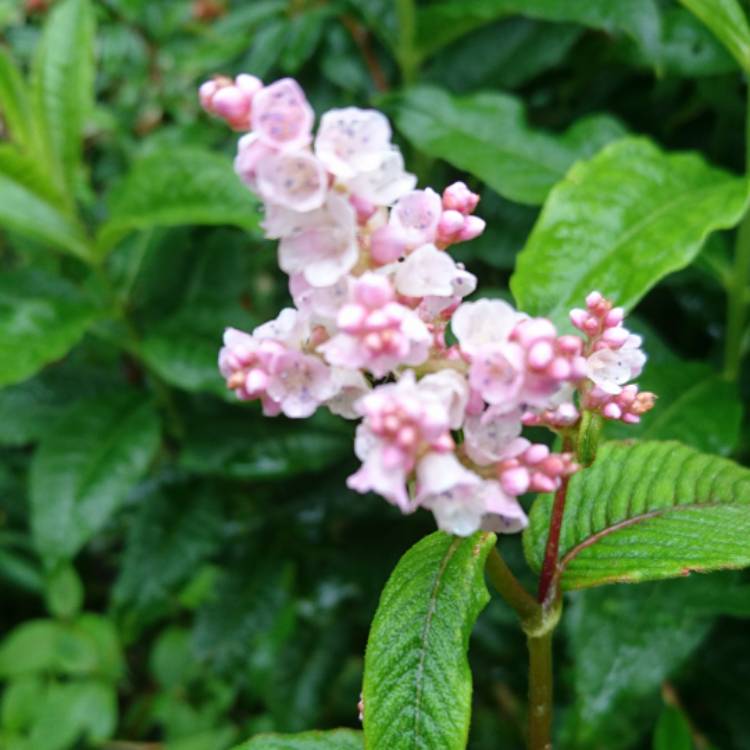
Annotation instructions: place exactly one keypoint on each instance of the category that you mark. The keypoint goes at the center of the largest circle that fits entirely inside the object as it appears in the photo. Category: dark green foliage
(177, 569)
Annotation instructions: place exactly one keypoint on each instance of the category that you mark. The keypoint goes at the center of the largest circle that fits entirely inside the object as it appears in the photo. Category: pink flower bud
(363, 208)
(387, 244)
(515, 481)
(472, 228)
(458, 197)
(373, 290)
(450, 224)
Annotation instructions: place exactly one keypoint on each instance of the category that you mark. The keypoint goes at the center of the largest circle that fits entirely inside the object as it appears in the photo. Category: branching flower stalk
(375, 295)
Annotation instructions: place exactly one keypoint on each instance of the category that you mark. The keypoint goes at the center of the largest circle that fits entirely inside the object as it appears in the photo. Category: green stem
(540, 691)
(736, 302)
(508, 586)
(408, 58)
(538, 622)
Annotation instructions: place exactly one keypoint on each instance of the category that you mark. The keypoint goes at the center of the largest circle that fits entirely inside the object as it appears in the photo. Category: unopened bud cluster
(375, 291)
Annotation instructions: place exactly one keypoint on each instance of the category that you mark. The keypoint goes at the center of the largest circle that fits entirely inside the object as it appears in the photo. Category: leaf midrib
(424, 636)
(597, 536)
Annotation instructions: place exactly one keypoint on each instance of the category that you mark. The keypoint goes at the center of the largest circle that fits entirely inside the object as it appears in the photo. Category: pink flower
(482, 324)
(416, 215)
(292, 179)
(458, 197)
(250, 151)
(535, 469)
(326, 250)
(299, 383)
(281, 115)
(461, 501)
(350, 387)
(376, 333)
(626, 406)
(493, 436)
(403, 424)
(351, 141)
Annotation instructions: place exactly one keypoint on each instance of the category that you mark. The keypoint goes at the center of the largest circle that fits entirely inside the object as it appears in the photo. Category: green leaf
(174, 530)
(625, 641)
(728, 22)
(174, 187)
(647, 511)
(240, 444)
(30, 205)
(63, 82)
(417, 683)
(14, 102)
(64, 592)
(672, 731)
(84, 469)
(441, 22)
(336, 739)
(621, 222)
(41, 318)
(487, 135)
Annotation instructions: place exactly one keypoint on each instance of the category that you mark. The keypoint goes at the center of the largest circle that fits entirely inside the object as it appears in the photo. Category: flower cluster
(375, 292)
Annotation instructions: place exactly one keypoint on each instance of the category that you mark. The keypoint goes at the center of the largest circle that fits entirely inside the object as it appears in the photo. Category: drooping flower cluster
(375, 291)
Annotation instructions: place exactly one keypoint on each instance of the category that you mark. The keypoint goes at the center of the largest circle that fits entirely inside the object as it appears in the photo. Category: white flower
(326, 251)
(492, 437)
(350, 386)
(292, 179)
(289, 327)
(299, 383)
(483, 324)
(384, 185)
(429, 272)
(352, 140)
(451, 389)
(610, 369)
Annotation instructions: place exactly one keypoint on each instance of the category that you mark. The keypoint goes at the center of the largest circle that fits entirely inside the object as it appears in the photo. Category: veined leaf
(647, 511)
(84, 468)
(14, 102)
(727, 20)
(180, 186)
(336, 739)
(63, 82)
(31, 205)
(417, 684)
(487, 135)
(41, 318)
(439, 23)
(621, 222)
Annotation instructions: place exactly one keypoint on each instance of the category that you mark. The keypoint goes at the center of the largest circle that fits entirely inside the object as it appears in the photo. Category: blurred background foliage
(177, 571)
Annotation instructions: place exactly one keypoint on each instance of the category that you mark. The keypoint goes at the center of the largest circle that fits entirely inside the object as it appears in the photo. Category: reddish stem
(361, 38)
(551, 553)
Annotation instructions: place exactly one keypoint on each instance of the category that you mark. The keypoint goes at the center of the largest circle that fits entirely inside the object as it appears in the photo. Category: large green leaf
(174, 187)
(727, 20)
(30, 205)
(647, 511)
(417, 684)
(63, 82)
(441, 22)
(336, 739)
(41, 318)
(85, 467)
(487, 135)
(621, 222)
(625, 641)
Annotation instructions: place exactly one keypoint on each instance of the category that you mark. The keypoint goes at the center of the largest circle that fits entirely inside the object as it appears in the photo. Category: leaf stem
(540, 691)
(736, 302)
(509, 587)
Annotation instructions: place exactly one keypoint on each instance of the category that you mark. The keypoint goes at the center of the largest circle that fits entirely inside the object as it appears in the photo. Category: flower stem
(736, 302)
(540, 691)
(508, 586)
(551, 552)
